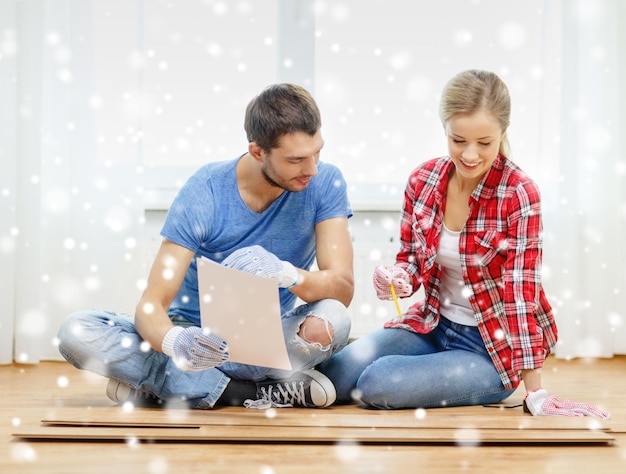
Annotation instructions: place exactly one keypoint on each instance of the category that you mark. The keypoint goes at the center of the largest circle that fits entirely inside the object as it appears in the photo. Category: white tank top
(455, 303)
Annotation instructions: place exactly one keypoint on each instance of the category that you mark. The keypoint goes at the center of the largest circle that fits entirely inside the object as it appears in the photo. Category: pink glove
(538, 403)
(384, 276)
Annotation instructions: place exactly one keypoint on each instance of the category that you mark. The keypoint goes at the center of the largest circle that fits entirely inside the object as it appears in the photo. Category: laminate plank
(333, 417)
(316, 434)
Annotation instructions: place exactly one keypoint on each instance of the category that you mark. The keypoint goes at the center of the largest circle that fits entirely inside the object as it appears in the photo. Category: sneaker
(307, 389)
(121, 393)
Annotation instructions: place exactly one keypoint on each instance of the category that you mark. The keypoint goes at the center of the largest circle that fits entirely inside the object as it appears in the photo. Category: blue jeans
(108, 344)
(396, 368)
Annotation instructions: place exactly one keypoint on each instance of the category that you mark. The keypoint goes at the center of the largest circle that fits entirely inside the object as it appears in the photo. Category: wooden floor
(32, 393)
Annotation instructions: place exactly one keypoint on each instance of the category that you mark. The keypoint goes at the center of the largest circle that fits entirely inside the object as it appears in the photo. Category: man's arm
(335, 278)
(166, 277)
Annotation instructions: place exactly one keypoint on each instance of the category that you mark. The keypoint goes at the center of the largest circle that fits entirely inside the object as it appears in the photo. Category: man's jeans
(108, 344)
(396, 368)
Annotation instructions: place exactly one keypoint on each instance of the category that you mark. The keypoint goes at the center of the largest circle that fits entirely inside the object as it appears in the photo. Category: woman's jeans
(396, 368)
(108, 344)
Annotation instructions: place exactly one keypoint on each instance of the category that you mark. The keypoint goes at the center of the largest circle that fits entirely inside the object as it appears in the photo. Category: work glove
(193, 349)
(258, 261)
(384, 276)
(538, 403)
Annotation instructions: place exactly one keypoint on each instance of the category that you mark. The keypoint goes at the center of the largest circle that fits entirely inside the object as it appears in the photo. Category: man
(272, 211)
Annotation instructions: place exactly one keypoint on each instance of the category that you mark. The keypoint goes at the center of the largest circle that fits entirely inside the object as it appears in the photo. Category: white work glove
(194, 349)
(538, 403)
(384, 276)
(258, 261)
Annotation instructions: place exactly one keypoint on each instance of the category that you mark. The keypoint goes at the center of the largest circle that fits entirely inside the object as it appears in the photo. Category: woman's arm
(531, 379)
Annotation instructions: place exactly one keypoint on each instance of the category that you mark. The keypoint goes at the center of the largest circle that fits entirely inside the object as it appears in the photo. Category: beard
(271, 180)
(276, 181)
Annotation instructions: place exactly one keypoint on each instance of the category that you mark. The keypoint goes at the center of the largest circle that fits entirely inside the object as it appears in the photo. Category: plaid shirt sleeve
(405, 257)
(422, 198)
(502, 249)
(522, 279)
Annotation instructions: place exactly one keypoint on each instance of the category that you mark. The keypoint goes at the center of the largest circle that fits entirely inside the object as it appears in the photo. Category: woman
(471, 235)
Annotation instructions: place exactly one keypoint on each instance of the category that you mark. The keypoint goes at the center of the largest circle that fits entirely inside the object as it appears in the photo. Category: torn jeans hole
(301, 338)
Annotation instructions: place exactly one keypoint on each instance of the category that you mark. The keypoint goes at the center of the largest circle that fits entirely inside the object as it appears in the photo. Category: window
(171, 80)
(381, 66)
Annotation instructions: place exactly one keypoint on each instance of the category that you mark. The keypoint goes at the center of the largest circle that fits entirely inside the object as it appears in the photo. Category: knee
(375, 389)
(338, 318)
(74, 333)
(327, 324)
(70, 328)
(316, 330)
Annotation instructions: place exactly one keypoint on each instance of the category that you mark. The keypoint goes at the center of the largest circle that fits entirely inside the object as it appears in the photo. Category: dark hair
(472, 90)
(278, 110)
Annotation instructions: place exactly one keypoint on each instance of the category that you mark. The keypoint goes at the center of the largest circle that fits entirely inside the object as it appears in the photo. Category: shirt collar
(487, 186)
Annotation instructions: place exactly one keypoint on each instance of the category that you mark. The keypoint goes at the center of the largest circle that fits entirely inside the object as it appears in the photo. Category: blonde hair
(472, 90)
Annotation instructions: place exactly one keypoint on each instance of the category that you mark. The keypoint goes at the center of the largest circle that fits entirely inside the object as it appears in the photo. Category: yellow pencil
(395, 299)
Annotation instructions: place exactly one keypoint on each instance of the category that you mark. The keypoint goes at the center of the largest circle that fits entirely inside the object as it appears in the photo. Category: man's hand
(385, 276)
(539, 403)
(258, 261)
(194, 349)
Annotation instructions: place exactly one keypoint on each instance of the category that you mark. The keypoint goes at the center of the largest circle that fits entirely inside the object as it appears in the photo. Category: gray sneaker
(121, 393)
(306, 389)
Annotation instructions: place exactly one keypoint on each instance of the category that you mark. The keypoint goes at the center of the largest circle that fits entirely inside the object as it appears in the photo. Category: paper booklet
(244, 310)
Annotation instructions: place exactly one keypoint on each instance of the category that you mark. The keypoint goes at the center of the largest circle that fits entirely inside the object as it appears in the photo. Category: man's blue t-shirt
(209, 217)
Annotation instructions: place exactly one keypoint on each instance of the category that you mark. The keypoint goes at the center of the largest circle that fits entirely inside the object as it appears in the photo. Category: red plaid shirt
(500, 247)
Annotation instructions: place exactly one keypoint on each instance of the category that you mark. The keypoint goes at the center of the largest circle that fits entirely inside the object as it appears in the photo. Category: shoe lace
(281, 395)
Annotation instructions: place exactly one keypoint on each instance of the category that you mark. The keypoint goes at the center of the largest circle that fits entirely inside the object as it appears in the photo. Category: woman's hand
(538, 403)
(384, 276)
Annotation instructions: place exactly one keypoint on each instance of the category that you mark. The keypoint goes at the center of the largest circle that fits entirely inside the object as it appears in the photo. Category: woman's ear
(255, 151)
